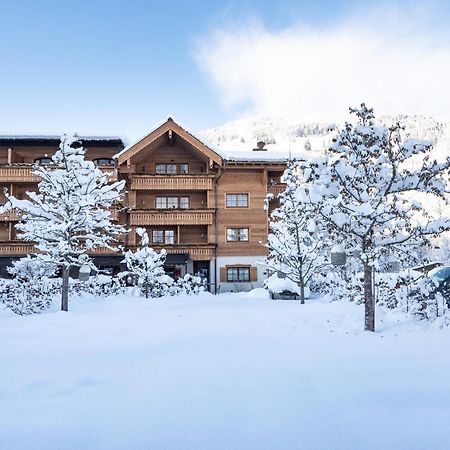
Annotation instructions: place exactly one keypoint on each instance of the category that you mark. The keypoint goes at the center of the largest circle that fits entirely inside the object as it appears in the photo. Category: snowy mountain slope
(284, 136)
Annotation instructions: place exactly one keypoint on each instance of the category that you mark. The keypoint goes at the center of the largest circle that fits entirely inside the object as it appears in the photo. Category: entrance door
(201, 269)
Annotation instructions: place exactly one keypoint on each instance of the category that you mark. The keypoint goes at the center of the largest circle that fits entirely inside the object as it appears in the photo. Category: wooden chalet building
(205, 208)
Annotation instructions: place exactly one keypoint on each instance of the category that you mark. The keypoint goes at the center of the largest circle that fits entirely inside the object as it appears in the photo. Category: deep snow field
(233, 371)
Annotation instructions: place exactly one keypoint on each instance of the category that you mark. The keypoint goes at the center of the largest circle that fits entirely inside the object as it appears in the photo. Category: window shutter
(223, 274)
(253, 274)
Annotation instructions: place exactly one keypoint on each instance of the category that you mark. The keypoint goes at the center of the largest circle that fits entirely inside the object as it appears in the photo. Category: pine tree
(69, 215)
(295, 241)
(370, 192)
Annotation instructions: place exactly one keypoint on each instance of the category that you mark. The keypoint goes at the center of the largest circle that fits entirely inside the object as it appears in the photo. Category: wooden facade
(193, 202)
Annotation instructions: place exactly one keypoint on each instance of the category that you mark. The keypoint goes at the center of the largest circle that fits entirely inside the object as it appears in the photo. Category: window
(104, 162)
(184, 168)
(169, 237)
(169, 169)
(237, 200)
(236, 274)
(163, 237)
(43, 161)
(172, 202)
(184, 202)
(161, 202)
(237, 234)
(158, 236)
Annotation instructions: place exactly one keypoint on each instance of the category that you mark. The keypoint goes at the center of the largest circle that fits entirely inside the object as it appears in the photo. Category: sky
(120, 68)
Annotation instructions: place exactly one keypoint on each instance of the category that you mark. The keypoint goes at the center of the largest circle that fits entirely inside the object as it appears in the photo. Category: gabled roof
(132, 150)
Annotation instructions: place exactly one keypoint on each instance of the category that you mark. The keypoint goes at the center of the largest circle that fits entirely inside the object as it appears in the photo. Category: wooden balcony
(14, 216)
(16, 249)
(276, 189)
(10, 216)
(18, 174)
(172, 182)
(24, 173)
(196, 252)
(170, 217)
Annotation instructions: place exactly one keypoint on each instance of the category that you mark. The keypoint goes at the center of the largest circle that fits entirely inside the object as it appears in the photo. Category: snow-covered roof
(280, 152)
(36, 138)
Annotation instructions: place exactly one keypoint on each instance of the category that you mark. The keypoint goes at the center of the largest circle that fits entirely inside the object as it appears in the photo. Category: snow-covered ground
(233, 371)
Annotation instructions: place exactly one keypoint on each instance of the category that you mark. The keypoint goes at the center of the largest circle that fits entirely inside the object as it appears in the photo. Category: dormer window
(104, 162)
(44, 161)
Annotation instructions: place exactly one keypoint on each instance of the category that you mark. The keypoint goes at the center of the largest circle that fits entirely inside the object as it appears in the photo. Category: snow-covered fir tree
(296, 241)
(365, 191)
(145, 265)
(69, 214)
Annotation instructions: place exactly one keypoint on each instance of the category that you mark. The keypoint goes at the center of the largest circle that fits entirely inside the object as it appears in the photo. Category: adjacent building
(204, 207)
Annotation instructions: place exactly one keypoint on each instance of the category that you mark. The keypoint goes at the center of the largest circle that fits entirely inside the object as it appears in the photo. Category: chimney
(260, 147)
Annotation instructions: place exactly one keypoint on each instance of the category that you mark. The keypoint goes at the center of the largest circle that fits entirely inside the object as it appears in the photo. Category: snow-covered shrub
(99, 286)
(29, 297)
(423, 301)
(31, 268)
(161, 286)
(191, 285)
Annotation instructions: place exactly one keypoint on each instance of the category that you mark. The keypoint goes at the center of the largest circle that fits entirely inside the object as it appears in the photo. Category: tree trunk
(369, 299)
(302, 292)
(65, 289)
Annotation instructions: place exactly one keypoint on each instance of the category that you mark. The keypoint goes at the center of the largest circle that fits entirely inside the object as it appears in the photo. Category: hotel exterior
(204, 207)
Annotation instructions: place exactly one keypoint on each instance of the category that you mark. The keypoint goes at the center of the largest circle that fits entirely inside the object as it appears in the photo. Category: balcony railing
(168, 217)
(16, 249)
(10, 216)
(196, 252)
(172, 182)
(18, 174)
(276, 189)
(24, 174)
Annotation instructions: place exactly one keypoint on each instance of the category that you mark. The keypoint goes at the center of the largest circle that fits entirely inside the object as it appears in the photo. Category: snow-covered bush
(99, 286)
(191, 285)
(29, 297)
(423, 300)
(31, 268)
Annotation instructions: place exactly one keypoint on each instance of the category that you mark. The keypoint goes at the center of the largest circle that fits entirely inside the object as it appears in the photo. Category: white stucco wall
(223, 261)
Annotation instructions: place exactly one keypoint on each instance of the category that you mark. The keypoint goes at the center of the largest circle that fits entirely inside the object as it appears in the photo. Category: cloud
(396, 62)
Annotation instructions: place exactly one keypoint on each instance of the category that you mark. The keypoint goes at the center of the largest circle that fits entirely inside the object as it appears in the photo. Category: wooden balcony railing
(168, 217)
(7, 249)
(276, 189)
(172, 182)
(24, 174)
(196, 252)
(10, 216)
(18, 174)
